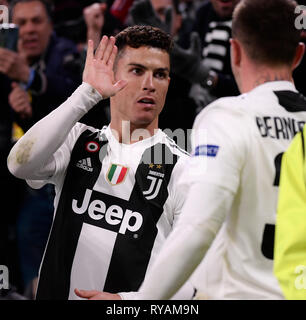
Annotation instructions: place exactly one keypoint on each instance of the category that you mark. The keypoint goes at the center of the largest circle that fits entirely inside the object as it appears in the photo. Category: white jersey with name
(238, 145)
(115, 205)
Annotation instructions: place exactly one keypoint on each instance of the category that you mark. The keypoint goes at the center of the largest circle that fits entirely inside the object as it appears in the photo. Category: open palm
(98, 71)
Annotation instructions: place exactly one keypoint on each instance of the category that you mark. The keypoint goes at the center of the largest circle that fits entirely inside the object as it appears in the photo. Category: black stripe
(291, 101)
(303, 143)
(131, 255)
(55, 273)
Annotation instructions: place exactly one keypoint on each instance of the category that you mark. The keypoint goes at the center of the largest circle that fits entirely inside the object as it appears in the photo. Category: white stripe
(217, 35)
(89, 162)
(214, 63)
(116, 174)
(91, 260)
(214, 49)
(214, 24)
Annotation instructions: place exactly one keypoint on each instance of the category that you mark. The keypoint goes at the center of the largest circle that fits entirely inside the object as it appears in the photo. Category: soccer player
(116, 188)
(232, 179)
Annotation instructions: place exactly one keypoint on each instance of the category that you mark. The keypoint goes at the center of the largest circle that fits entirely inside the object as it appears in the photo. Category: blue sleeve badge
(206, 150)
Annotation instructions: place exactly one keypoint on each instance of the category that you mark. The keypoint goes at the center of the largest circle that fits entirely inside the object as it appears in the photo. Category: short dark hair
(266, 29)
(143, 36)
(47, 5)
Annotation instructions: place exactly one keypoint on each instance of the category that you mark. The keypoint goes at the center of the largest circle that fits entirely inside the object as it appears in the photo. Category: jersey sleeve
(290, 236)
(220, 142)
(60, 160)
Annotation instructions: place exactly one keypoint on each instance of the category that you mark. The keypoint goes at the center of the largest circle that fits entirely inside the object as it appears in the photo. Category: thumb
(195, 43)
(119, 85)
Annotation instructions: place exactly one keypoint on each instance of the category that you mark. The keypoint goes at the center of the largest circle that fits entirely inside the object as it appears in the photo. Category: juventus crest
(156, 180)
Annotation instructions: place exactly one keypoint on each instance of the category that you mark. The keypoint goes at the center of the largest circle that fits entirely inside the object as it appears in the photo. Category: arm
(189, 241)
(210, 183)
(36, 148)
(290, 237)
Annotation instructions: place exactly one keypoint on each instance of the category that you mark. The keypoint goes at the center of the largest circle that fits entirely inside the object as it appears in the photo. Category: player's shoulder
(224, 109)
(78, 129)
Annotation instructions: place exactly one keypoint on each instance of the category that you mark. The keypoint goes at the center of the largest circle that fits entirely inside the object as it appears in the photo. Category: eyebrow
(144, 67)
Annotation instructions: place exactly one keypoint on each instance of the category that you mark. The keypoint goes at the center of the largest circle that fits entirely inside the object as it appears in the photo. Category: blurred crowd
(45, 66)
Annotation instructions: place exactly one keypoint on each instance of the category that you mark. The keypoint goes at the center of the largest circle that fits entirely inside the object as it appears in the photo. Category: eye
(161, 74)
(137, 71)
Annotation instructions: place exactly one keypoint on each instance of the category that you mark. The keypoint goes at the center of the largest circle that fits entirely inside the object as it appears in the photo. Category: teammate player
(116, 195)
(232, 178)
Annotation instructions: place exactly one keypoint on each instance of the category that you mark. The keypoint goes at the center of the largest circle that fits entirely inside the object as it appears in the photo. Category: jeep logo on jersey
(116, 174)
(114, 215)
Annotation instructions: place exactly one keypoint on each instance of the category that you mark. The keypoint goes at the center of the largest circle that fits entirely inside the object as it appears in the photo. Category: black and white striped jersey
(115, 205)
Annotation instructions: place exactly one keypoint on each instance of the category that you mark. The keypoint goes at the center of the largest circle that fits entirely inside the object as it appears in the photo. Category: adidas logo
(85, 164)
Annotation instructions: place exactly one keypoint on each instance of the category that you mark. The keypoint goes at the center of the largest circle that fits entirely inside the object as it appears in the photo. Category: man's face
(160, 7)
(146, 71)
(34, 27)
(224, 8)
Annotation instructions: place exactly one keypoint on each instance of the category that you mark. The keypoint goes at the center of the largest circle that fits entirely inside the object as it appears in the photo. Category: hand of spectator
(14, 65)
(20, 101)
(187, 63)
(94, 18)
(143, 13)
(96, 295)
(98, 71)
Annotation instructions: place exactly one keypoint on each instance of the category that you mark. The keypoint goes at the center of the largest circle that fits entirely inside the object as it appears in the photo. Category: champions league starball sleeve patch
(207, 150)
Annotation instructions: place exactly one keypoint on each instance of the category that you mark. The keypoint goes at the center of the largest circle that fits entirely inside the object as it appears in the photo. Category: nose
(148, 82)
(28, 27)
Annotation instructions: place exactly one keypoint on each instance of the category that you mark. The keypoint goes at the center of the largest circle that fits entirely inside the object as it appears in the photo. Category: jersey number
(267, 245)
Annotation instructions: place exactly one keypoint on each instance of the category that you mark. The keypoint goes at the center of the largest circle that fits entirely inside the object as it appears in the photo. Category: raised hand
(98, 71)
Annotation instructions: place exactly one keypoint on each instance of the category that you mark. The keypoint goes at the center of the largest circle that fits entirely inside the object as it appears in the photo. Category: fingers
(109, 49)
(101, 48)
(87, 294)
(195, 43)
(112, 57)
(90, 52)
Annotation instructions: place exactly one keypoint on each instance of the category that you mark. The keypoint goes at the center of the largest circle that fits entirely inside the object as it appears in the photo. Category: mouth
(146, 102)
(30, 43)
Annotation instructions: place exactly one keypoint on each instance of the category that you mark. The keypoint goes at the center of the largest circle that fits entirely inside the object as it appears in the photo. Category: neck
(256, 77)
(128, 133)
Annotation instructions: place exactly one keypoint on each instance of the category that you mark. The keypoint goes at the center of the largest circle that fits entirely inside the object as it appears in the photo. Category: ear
(299, 53)
(236, 52)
